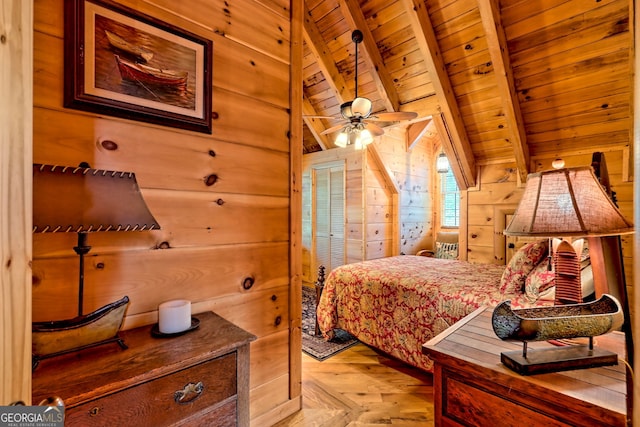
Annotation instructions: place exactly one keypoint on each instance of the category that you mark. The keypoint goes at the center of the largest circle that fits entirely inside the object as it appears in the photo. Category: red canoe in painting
(149, 75)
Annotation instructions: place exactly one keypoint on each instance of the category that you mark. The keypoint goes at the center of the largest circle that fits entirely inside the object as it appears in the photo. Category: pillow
(540, 283)
(446, 250)
(519, 267)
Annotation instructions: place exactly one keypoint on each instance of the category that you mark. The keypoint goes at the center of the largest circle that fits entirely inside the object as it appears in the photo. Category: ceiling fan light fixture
(363, 138)
(361, 107)
(358, 108)
(343, 138)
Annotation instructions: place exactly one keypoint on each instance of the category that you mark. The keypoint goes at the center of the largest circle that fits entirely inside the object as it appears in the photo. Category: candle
(174, 316)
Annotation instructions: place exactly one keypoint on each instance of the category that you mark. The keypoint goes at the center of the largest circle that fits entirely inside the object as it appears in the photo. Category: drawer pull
(189, 393)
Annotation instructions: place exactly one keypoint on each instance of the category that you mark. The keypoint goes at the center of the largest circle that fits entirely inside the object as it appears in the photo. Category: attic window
(449, 200)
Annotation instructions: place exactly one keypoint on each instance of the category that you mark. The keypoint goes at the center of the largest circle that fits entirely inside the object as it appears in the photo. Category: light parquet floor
(360, 387)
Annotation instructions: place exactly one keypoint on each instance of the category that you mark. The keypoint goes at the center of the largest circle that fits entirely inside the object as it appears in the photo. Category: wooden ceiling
(503, 80)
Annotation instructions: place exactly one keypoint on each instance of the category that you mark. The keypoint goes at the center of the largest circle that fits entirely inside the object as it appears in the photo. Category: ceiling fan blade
(393, 117)
(375, 129)
(333, 128)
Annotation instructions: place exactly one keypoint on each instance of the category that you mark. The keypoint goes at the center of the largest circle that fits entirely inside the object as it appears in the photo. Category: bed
(396, 304)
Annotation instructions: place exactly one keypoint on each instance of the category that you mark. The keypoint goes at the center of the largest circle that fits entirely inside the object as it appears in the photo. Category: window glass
(450, 200)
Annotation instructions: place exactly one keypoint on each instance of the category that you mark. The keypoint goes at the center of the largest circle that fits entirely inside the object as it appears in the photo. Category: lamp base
(50, 339)
(540, 361)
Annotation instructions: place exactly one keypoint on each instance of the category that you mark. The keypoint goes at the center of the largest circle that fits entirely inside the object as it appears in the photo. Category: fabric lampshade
(568, 202)
(76, 199)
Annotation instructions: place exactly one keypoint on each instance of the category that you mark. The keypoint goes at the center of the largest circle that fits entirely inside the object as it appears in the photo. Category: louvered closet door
(329, 217)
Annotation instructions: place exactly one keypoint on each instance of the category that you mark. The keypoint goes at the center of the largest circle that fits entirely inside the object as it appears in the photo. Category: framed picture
(122, 63)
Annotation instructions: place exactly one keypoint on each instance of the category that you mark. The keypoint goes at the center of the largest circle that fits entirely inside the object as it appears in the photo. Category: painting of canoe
(162, 73)
(150, 75)
(558, 322)
(131, 49)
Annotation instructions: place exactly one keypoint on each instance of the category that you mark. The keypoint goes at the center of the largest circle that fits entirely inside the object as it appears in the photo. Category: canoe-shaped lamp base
(547, 360)
(50, 339)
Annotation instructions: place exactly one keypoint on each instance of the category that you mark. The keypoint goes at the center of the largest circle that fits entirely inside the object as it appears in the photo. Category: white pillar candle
(174, 316)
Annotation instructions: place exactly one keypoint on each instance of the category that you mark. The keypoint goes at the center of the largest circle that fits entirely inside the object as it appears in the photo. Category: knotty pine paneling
(155, 275)
(269, 358)
(213, 236)
(184, 162)
(410, 170)
(266, 398)
(236, 98)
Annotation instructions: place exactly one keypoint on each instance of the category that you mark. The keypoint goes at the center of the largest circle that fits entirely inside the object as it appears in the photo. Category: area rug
(316, 346)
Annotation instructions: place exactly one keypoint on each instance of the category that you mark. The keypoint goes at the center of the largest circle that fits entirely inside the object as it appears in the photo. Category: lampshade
(363, 138)
(83, 200)
(75, 199)
(442, 163)
(567, 202)
(343, 138)
(359, 107)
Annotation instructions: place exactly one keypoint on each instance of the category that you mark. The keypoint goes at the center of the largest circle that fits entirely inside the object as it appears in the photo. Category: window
(450, 200)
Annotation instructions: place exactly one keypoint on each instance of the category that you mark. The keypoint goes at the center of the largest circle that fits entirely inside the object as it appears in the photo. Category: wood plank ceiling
(505, 80)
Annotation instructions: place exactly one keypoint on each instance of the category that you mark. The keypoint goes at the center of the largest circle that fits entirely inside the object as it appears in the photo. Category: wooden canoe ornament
(557, 322)
(50, 339)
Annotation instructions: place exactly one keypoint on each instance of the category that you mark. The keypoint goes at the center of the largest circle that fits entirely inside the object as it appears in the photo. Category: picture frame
(122, 63)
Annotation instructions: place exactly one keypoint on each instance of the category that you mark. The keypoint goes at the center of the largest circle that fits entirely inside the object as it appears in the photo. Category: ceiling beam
(415, 132)
(497, 45)
(459, 149)
(326, 63)
(314, 124)
(371, 54)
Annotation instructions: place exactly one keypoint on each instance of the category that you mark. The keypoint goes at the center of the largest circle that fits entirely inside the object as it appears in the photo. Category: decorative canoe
(122, 45)
(60, 336)
(557, 322)
(149, 75)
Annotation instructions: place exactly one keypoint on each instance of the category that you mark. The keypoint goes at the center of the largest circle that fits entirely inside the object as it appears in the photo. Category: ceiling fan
(356, 126)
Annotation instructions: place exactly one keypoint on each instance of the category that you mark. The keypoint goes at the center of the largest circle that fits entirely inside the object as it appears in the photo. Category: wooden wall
(212, 236)
(387, 196)
(16, 46)
(407, 170)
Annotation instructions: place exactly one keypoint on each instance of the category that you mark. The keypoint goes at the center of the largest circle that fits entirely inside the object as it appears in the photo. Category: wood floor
(360, 387)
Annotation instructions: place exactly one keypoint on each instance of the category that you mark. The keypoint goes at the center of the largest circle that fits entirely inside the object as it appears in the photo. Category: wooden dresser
(198, 378)
(473, 388)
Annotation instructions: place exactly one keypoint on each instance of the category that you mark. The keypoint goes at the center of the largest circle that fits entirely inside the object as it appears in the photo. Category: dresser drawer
(207, 389)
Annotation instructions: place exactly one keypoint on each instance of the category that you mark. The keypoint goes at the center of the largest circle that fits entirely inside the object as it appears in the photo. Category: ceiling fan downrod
(357, 37)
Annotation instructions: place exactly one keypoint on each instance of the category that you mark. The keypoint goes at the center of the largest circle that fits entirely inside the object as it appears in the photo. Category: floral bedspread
(397, 304)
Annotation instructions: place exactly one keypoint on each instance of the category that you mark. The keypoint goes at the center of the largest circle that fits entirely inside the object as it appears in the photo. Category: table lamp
(569, 202)
(83, 200)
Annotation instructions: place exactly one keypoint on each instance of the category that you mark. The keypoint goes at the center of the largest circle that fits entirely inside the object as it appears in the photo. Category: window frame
(443, 194)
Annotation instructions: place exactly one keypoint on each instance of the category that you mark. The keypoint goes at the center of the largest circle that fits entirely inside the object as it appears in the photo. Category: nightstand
(199, 378)
(472, 387)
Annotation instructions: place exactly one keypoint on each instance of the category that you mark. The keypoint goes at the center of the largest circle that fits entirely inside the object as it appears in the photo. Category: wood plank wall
(370, 221)
(16, 65)
(411, 170)
(212, 237)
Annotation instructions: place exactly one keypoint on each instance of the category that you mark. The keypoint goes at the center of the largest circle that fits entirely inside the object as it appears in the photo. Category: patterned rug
(312, 345)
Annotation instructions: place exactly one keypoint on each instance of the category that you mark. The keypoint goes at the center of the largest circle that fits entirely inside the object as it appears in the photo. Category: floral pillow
(519, 267)
(539, 282)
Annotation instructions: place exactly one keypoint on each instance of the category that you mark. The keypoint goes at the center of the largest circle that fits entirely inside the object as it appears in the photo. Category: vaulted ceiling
(502, 80)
